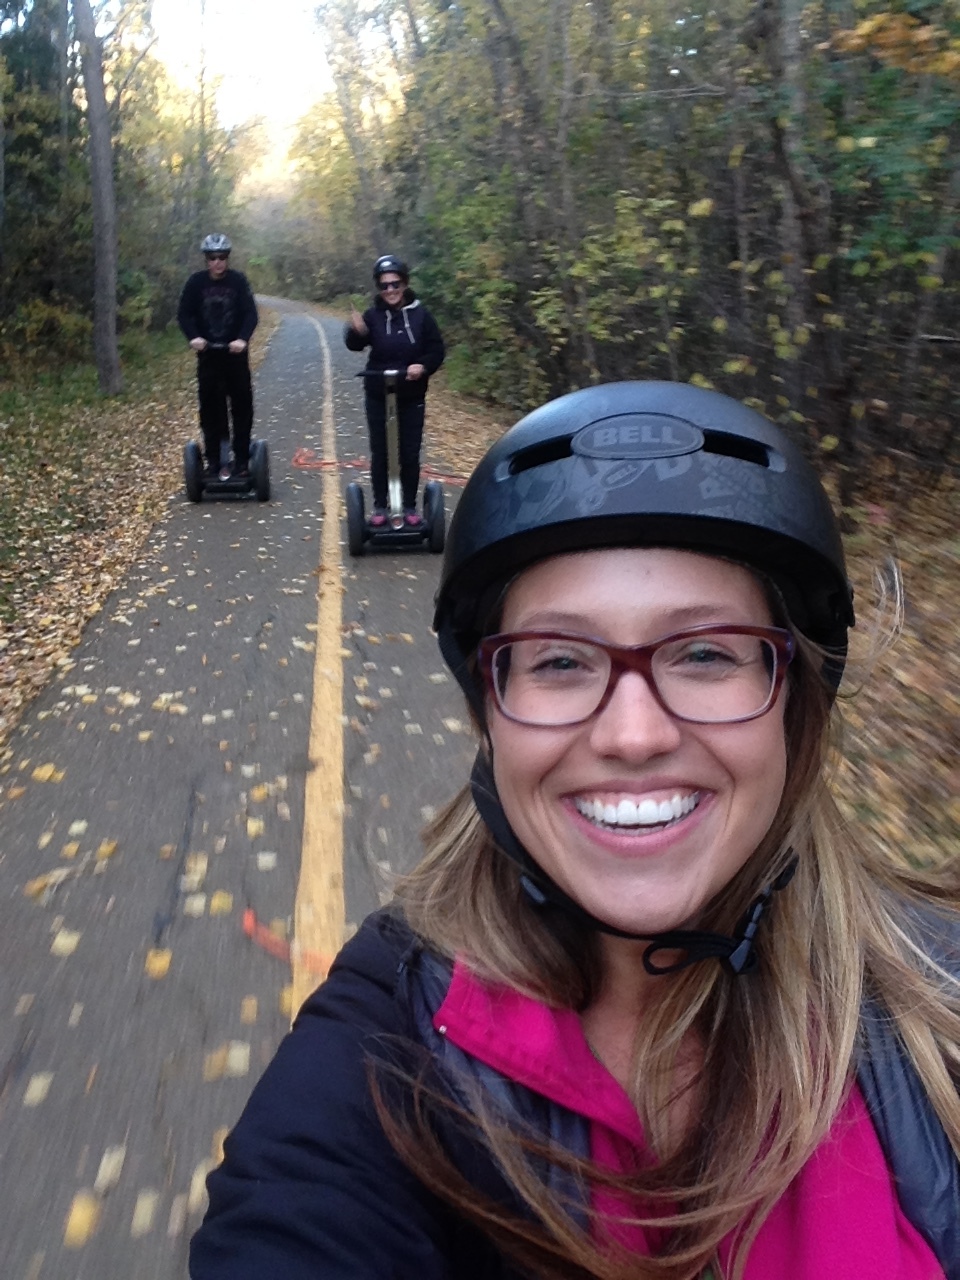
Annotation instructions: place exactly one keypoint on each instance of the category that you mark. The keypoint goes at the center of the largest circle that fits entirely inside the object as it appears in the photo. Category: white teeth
(627, 813)
(645, 813)
(648, 813)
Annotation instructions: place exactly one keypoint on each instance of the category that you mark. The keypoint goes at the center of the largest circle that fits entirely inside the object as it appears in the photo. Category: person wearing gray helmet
(217, 315)
(647, 1009)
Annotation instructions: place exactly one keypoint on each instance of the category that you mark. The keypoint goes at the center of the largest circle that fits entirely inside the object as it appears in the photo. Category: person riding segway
(406, 348)
(218, 314)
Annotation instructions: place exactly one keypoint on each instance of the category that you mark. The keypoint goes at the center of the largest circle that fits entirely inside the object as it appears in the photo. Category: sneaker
(412, 519)
(241, 473)
(225, 473)
(379, 518)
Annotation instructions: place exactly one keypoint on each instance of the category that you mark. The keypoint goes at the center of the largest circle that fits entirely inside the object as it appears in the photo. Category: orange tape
(268, 941)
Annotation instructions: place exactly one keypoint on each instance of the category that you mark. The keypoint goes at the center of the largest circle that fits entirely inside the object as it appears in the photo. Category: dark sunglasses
(390, 284)
(217, 257)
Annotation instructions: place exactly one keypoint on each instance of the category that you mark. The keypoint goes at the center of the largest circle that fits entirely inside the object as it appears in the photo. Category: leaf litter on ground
(82, 482)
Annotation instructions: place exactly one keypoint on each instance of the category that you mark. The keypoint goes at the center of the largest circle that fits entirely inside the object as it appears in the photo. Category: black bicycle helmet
(645, 464)
(389, 262)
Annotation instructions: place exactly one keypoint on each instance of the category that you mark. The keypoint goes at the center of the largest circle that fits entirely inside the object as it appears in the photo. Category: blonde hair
(779, 1046)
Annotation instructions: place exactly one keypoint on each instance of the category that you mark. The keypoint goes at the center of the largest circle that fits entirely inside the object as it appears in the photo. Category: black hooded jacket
(398, 337)
(219, 310)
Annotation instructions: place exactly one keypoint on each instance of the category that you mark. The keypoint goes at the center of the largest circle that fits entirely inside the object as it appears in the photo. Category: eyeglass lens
(217, 257)
(707, 678)
(390, 284)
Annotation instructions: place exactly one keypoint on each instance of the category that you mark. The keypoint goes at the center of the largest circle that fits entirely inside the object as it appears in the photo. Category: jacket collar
(534, 1045)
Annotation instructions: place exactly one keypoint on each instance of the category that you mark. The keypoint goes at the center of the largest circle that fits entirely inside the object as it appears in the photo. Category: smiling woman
(646, 1010)
(568, 784)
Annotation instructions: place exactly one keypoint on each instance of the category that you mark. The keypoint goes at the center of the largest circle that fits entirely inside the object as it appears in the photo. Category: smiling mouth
(632, 815)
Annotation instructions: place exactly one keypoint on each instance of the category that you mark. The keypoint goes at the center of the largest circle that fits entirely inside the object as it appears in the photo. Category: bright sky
(269, 56)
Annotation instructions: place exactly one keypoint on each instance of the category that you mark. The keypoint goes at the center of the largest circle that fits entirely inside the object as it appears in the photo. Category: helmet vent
(730, 446)
(537, 455)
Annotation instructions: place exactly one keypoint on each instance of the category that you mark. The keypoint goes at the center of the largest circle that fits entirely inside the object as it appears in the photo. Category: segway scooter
(225, 484)
(394, 533)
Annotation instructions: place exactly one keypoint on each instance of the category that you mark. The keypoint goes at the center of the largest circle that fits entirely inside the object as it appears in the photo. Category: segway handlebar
(382, 373)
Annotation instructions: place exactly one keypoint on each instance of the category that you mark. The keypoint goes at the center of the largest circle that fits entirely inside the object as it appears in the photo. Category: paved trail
(156, 870)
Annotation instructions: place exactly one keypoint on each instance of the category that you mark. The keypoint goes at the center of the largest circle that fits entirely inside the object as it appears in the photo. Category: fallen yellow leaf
(157, 962)
(144, 1212)
(49, 880)
(215, 1063)
(38, 1086)
(107, 849)
(82, 1220)
(254, 827)
(194, 872)
(64, 943)
(221, 903)
(43, 772)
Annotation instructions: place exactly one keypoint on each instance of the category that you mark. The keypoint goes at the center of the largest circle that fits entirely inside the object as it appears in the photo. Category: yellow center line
(319, 910)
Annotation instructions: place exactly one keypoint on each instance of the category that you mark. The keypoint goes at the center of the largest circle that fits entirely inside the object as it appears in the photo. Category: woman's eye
(557, 662)
(705, 655)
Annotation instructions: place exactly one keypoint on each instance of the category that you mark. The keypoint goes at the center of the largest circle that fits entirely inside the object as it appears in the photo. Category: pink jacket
(839, 1220)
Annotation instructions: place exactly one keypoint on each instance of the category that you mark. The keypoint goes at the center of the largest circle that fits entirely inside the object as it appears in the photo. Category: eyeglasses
(385, 285)
(706, 675)
(217, 257)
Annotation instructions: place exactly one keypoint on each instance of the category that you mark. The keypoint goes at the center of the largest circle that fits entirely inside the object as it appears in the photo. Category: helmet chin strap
(736, 954)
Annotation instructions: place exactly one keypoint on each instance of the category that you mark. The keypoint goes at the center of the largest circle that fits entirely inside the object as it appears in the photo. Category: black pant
(222, 377)
(410, 413)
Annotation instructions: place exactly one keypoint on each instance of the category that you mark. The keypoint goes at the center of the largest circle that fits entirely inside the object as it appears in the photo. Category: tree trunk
(63, 39)
(3, 178)
(104, 204)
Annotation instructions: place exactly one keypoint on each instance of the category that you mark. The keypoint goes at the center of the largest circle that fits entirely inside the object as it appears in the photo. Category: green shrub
(44, 334)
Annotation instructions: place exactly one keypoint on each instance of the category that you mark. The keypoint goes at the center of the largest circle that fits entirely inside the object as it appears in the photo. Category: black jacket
(398, 337)
(310, 1187)
(219, 310)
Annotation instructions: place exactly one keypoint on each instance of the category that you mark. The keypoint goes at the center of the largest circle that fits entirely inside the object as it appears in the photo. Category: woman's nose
(633, 724)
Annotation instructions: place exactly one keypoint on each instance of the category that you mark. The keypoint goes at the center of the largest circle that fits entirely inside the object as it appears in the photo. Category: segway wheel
(434, 514)
(356, 522)
(193, 471)
(260, 470)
